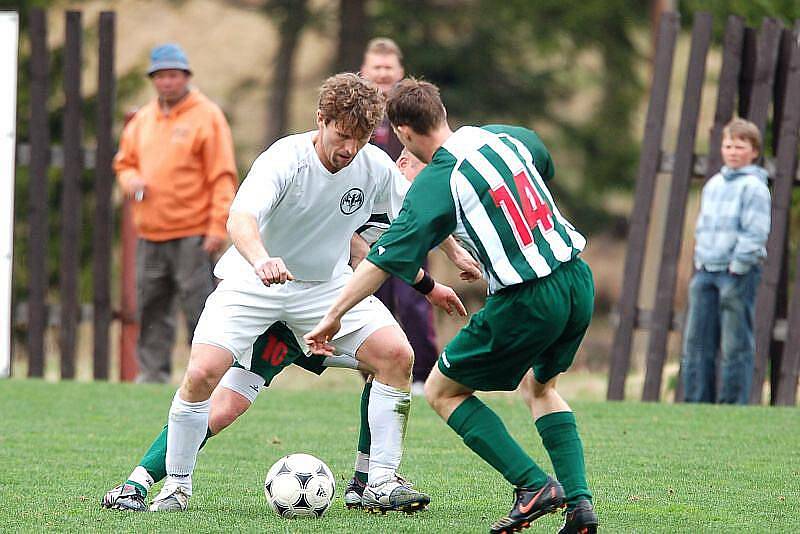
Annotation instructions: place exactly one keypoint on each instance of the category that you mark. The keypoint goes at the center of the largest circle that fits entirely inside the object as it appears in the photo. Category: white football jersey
(306, 215)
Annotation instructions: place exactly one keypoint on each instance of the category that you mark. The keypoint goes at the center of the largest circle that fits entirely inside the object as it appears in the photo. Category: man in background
(383, 66)
(176, 161)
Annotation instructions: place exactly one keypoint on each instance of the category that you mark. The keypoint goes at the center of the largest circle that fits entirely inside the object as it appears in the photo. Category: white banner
(9, 35)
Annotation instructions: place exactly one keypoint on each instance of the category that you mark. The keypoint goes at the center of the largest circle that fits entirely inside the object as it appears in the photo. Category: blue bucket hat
(168, 56)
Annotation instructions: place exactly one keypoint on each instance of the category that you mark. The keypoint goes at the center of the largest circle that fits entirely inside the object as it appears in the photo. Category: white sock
(141, 476)
(362, 462)
(388, 413)
(188, 423)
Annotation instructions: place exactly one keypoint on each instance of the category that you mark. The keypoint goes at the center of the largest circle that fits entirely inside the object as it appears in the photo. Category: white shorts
(238, 311)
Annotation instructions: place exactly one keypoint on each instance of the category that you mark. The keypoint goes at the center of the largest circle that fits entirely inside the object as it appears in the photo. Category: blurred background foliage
(574, 70)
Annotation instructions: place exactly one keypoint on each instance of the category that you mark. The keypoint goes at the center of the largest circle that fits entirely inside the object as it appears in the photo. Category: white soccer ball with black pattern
(299, 485)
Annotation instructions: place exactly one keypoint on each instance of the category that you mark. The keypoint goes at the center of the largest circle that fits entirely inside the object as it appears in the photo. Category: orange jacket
(186, 161)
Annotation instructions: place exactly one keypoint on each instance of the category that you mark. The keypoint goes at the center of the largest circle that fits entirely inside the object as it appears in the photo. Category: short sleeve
(266, 181)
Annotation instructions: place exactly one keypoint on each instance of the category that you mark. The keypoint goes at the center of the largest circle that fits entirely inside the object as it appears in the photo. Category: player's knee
(199, 382)
(399, 359)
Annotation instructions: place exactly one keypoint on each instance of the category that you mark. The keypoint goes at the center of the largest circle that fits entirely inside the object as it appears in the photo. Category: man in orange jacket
(176, 161)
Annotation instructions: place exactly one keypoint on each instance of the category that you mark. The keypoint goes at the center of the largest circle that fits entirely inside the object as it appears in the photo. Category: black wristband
(425, 285)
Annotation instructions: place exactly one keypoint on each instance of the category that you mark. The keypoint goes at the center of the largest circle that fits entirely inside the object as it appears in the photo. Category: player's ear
(402, 162)
(320, 120)
(402, 132)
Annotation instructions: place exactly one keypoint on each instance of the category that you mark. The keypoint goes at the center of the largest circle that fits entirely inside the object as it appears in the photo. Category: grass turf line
(652, 467)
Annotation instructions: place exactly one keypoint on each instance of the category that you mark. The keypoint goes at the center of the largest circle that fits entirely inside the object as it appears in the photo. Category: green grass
(652, 467)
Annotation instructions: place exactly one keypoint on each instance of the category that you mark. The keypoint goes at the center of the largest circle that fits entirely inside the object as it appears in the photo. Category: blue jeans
(720, 317)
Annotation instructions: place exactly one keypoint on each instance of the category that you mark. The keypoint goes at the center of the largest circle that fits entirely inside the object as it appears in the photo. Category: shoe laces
(403, 480)
(519, 495)
(134, 493)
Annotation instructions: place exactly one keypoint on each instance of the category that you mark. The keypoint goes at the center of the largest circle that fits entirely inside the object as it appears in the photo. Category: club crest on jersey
(351, 201)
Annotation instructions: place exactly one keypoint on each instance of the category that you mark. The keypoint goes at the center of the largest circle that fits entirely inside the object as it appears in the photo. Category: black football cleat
(529, 505)
(580, 520)
(354, 493)
(124, 497)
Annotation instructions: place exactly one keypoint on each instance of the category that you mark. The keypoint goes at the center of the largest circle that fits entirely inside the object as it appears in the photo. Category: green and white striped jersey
(487, 187)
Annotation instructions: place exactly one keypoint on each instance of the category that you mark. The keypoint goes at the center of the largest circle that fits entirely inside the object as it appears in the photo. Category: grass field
(653, 467)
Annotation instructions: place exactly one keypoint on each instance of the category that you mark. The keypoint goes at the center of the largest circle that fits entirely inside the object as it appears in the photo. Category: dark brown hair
(356, 104)
(417, 104)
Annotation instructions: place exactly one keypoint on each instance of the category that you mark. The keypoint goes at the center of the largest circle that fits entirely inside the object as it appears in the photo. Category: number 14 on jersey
(531, 211)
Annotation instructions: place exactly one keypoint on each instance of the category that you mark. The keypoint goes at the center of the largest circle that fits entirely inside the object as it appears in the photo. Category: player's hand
(212, 244)
(272, 271)
(318, 339)
(469, 266)
(445, 298)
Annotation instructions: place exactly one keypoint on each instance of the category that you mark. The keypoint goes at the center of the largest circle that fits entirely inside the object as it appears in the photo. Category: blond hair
(743, 129)
(383, 46)
(354, 103)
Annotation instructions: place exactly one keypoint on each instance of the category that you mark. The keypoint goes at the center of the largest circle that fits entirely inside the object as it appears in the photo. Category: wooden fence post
(37, 196)
(640, 217)
(104, 181)
(129, 334)
(679, 188)
(129, 366)
(768, 44)
(786, 169)
(71, 194)
(774, 269)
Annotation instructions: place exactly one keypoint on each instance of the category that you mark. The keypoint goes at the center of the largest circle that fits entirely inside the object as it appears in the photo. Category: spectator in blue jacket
(730, 238)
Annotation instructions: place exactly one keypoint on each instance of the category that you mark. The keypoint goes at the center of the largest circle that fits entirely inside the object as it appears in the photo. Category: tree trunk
(352, 35)
(291, 19)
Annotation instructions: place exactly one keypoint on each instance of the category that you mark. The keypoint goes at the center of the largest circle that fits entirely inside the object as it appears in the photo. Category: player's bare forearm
(469, 267)
(449, 246)
(243, 229)
(365, 281)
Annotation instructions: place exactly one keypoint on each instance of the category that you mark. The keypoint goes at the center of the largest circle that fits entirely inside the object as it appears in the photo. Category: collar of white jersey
(465, 140)
(322, 168)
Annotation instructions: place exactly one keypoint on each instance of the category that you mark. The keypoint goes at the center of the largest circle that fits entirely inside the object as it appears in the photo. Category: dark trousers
(164, 270)
(415, 315)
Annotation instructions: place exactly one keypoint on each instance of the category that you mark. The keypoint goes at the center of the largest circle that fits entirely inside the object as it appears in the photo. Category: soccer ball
(299, 485)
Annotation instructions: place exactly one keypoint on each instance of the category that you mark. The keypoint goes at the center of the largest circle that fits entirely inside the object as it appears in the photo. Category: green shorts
(276, 349)
(535, 325)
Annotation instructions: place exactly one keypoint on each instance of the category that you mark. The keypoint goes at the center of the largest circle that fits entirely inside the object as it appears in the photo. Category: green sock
(364, 437)
(559, 434)
(484, 432)
(155, 459)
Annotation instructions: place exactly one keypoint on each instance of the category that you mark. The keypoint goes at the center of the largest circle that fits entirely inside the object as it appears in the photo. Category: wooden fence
(39, 156)
(762, 68)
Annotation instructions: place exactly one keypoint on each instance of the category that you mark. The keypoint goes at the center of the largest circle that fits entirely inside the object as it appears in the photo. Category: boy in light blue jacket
(730, 245)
